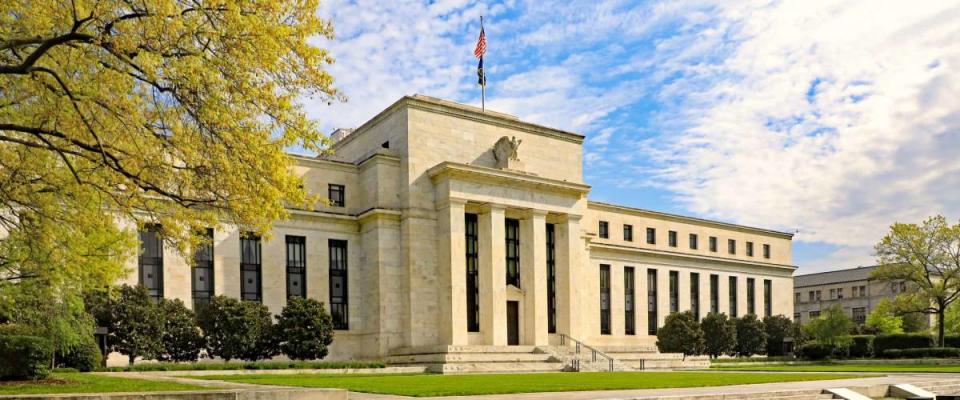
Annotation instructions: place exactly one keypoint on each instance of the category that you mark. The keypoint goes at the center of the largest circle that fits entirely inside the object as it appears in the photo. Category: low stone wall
(230, 394)
(289, 371)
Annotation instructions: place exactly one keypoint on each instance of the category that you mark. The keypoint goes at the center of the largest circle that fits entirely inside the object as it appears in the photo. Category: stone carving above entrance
(505, 153)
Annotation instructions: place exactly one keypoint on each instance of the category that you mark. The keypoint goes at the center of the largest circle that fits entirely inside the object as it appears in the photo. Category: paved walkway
(686, 392)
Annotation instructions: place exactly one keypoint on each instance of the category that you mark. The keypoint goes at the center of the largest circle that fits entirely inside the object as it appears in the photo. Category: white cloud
(834, 118)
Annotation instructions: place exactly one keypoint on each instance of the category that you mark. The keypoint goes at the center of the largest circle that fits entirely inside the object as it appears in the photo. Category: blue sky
(830, 118)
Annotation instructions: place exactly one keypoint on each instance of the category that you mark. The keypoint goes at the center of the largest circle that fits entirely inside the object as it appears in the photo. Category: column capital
(451, 202)
(563, 218)
(492, 207)
(534, 213)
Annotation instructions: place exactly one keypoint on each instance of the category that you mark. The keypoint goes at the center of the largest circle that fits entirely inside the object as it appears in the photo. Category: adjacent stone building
(850, 288)
(448, 226)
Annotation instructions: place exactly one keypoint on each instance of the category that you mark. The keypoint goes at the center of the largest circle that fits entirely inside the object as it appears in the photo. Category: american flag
(481, 45)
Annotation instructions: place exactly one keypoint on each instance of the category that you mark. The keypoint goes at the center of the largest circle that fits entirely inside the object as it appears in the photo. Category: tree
(751, 336)
(182, 339)
(777, 328)
(137, 328)
(305, 329)
(927, 257)
(681, 333)
(237, 329)
(832, 328)
(952, 319)
(884, 319)
(160, 111)
(719, 333)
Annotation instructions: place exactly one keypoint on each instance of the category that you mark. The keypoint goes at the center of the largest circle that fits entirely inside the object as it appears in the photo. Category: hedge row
(24, 357)
(900, 345)
(927, 352)
(901, 341)
(257, 365)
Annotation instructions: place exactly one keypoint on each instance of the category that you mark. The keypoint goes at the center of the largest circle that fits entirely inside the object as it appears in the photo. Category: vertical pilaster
(570, 265)
(533, 276)
(493, 270)
(452, 251)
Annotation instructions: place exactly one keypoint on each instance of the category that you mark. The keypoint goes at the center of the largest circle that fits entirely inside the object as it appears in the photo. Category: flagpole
(483, 84)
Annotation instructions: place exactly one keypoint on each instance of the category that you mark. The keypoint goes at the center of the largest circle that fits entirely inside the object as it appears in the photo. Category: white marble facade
(418, 173)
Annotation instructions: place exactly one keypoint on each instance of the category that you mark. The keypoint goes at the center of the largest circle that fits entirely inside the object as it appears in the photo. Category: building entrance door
(513, 323)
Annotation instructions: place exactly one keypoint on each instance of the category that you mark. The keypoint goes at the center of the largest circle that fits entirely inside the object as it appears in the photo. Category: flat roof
(681, 218)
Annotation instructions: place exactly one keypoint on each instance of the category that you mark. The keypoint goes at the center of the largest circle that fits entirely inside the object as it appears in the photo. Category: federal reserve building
(466, 240)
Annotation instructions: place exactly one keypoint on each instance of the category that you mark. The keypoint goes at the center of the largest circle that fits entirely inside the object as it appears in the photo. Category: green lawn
(466, 385)
(88, 383)
(826, 367)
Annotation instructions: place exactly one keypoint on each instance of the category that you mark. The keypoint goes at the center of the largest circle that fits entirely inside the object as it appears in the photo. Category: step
(463, 349)
(497, 367)
(665, 364)
(468, 357)
(627, 349)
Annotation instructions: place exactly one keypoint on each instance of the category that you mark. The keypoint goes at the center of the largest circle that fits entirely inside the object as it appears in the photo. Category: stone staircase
(468, 359)
(941, 388)
(640, 358)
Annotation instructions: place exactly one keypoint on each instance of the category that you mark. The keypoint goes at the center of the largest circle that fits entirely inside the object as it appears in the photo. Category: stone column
(493, 275)
(570, 265)
(451, 245)
(533, 276)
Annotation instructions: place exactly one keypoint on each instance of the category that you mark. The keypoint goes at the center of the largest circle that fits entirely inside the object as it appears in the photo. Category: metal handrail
(594, 353)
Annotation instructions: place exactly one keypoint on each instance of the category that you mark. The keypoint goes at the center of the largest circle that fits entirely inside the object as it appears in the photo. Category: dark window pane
(202, 272)
(150, 262)
(551, 279)
(628, 302)
(651, 301)
(513, 251)
(338, 283)
(604, 299)
(250, 268)
(473, 273)
(296, 266)
(336, 193)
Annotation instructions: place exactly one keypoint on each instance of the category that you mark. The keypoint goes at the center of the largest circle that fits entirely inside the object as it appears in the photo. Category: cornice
(685, 219)
(454, 170)
(692, 257)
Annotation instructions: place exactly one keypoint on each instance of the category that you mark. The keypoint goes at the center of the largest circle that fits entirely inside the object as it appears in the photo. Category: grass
(831, 367)
(259, 365)
(89, 383)
(479, 384)
(735, 360)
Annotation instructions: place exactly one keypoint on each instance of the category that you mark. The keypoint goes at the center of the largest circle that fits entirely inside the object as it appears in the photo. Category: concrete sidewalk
(715, 392)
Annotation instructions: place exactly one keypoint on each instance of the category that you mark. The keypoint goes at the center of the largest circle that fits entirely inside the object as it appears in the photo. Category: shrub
(24, 357)
(777, 328)
(898, 341)
(832, 327)
(182, 339)
(815, 351)
(951, 341)
(680, 334)
(305, 328)
(84, 358)
(751, 336)
(137, 324)
(237, 329)
(924, 352)
(719, 334)
(861, 346)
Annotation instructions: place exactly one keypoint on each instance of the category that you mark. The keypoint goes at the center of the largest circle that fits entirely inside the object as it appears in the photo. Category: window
(903, 287)
(767, 298)
(628, 233)
(604, 299)
(604, 230)
(818, 295)
(672, 238)
(840, 293)
(733, 296)
(693, 241)
(551, 280)
(714, 293)
(201, 275)
(863, 291)
(251, 288)
(859, 314)
(651, 236)
(651, 302)
(853, 291)
(513, 251)
(674, 291)
(338, 284)
(296, 266)
(811, 296)
(814, 314)
(471, 237)
(751, 296)
(713, 244)
(629, 319)
(796, 316)
(833, 294)
(150, 262)
(796, 298)
(766, 251)
(695, 295)
(731, 246)
(336, 194)
(749, 249)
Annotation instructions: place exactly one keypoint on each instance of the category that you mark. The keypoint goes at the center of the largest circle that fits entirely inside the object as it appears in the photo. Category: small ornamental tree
(681, 333)
(832, 328)
(237, 329)
(751, 336)
(137, 326)
(778, 328)
(884, 319)
(720, 336)
(305, 329)
(182, 339)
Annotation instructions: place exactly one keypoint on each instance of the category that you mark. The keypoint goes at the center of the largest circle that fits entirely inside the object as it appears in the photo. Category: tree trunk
(940, 318)
(131, 357)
